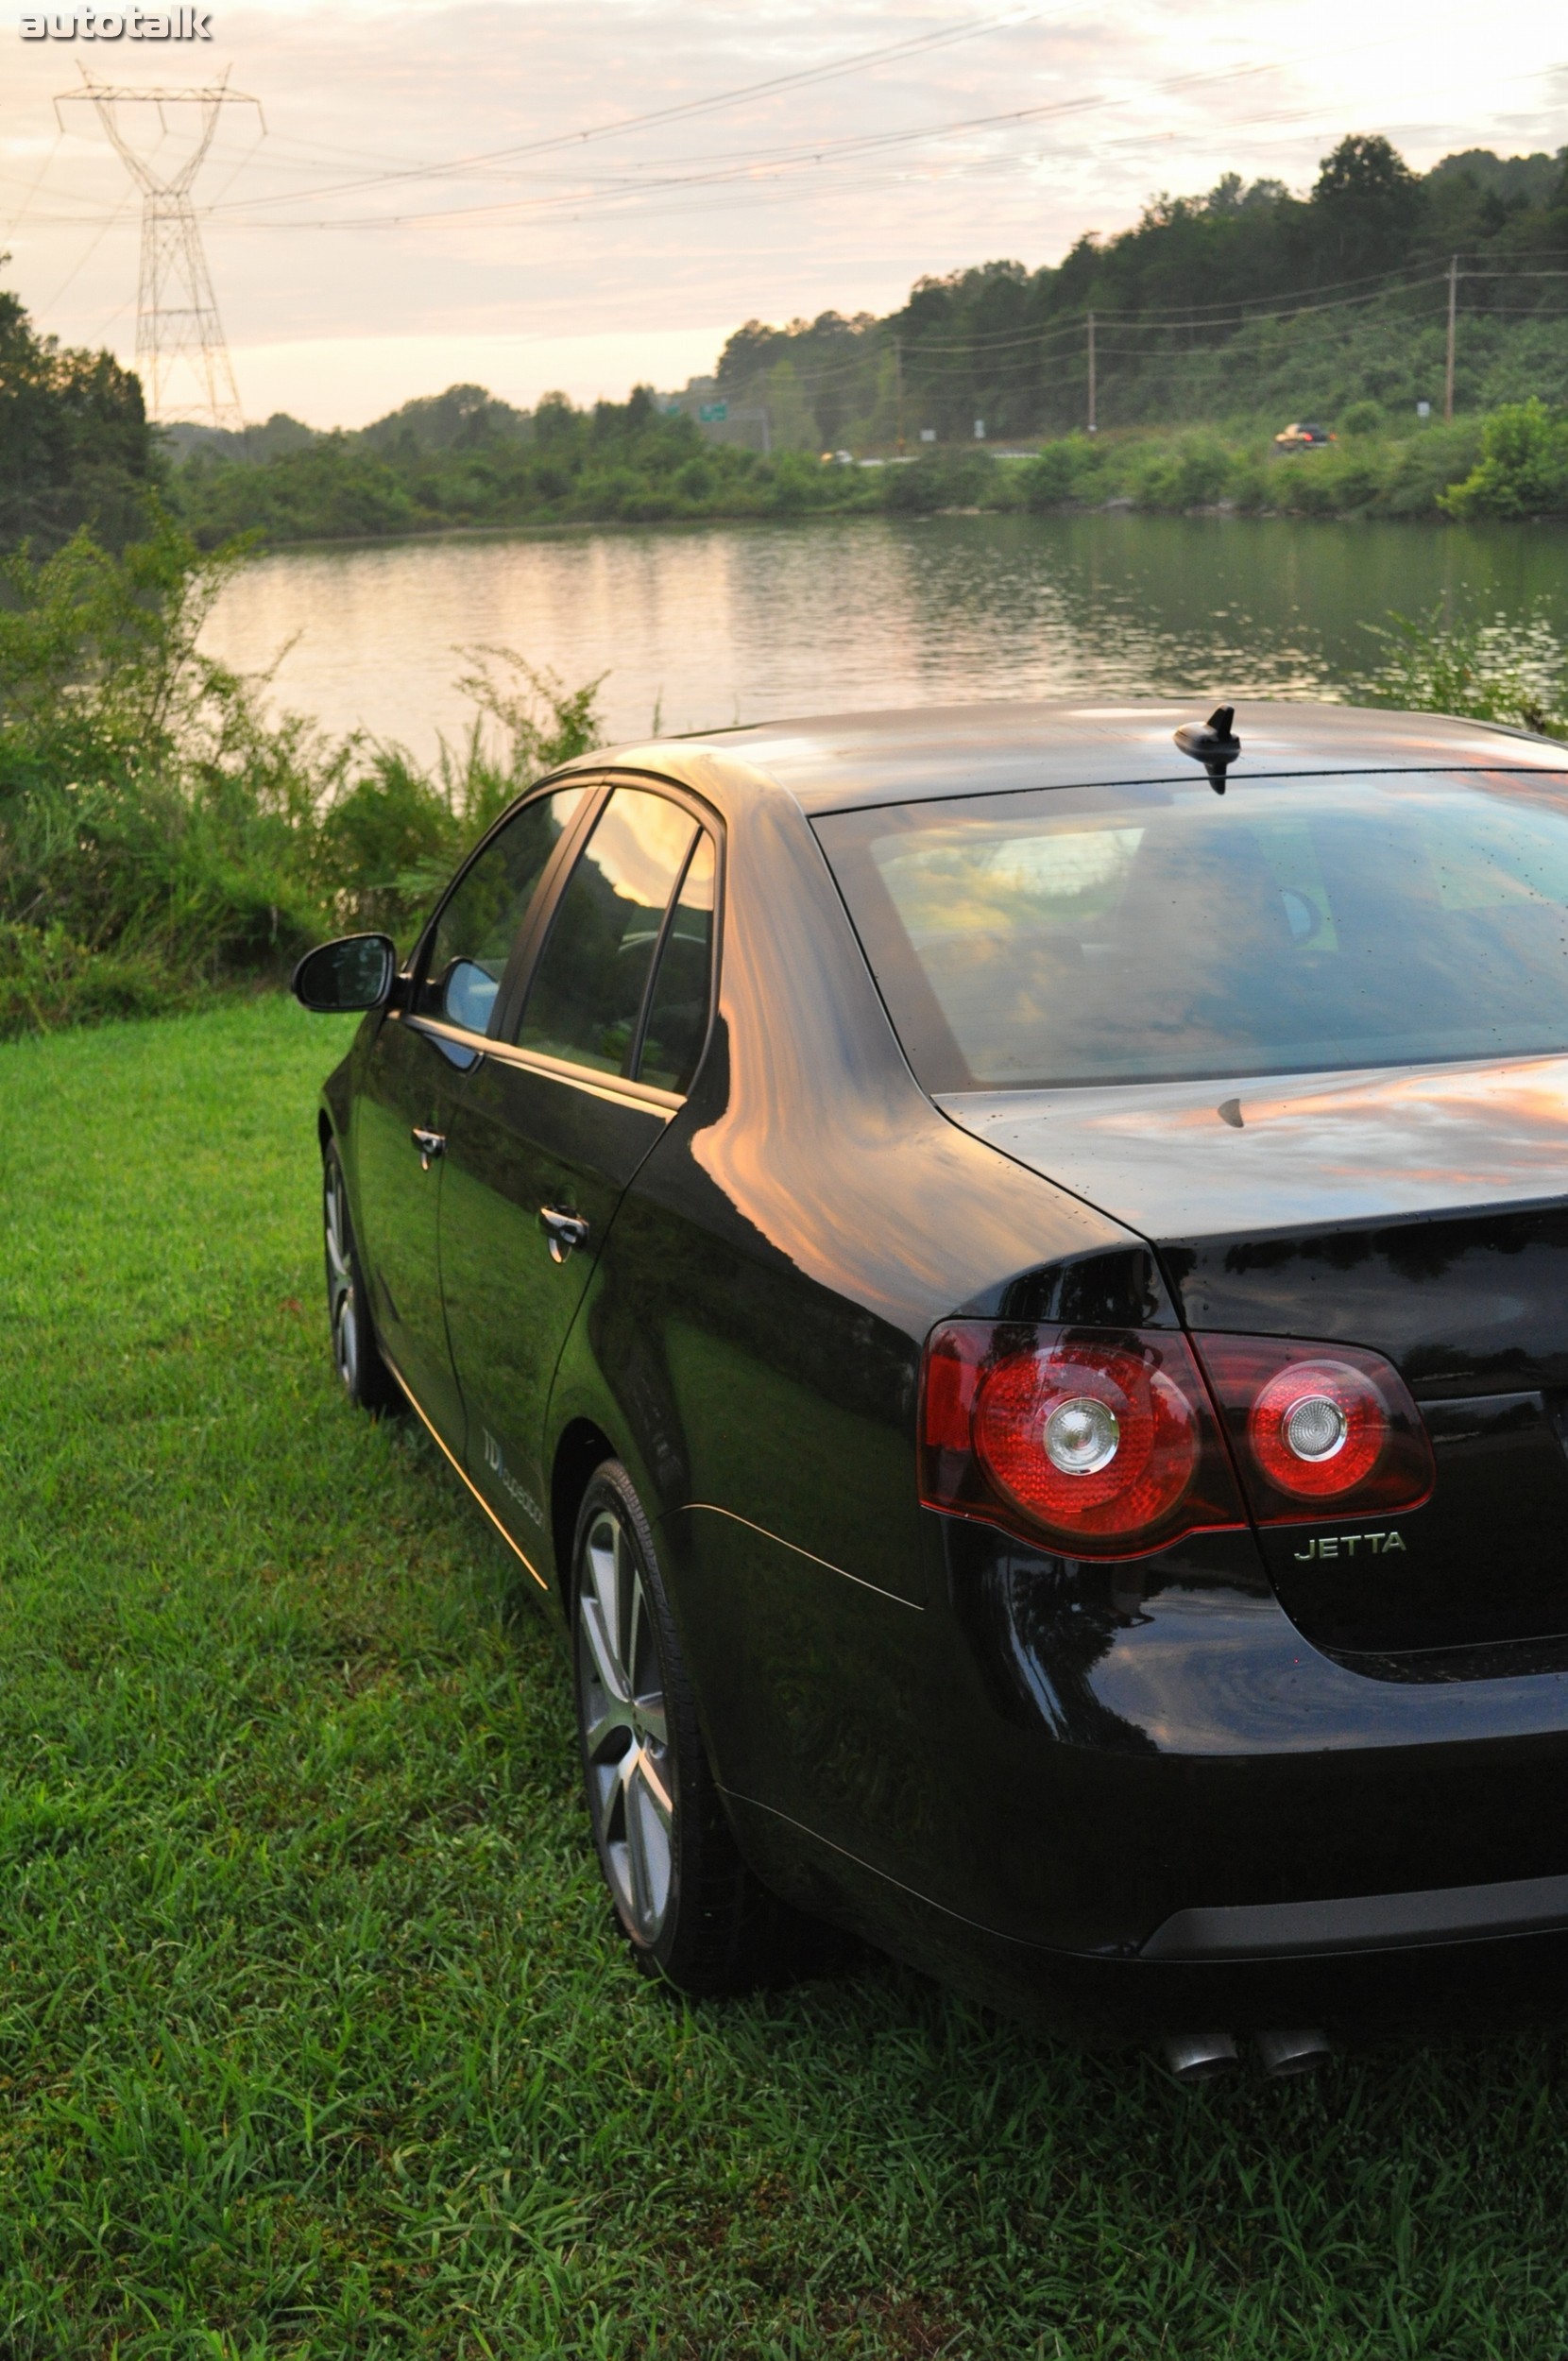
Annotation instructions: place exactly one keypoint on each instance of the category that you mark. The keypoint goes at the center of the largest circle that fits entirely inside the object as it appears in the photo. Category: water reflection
(725, 623)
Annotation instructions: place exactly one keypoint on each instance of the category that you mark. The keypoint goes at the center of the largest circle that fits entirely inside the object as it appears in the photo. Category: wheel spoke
(654, 1720)
(651, 1774)
(611, 1720)
(607, 1669)
(642, 1669)
(648, 1847)
(604, 1559)
(637, 1869)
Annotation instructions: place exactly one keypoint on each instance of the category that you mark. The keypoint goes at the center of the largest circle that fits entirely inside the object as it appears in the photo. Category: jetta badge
(1332, 1544)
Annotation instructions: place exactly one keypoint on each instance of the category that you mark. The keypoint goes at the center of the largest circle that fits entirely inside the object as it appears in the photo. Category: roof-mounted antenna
(1212, 742)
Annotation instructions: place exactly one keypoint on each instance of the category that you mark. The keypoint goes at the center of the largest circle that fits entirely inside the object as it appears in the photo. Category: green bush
(1192, 472)
(163, 836)
(1362, 417)
(1062, 472)
(1523, 470)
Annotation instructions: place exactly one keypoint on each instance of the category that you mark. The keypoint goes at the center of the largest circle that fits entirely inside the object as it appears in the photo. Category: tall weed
(164, 833)
(1497, 670)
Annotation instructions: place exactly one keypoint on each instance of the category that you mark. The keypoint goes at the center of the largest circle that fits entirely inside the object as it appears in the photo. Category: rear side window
(676, 1024)
(482, 917)
(585, 1001)
(1107, 934)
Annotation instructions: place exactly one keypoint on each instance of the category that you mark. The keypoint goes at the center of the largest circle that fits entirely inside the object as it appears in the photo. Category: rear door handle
(430, 1144)
(563, 1230)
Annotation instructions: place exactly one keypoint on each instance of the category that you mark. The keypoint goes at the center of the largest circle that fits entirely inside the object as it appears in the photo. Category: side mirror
(356, 972)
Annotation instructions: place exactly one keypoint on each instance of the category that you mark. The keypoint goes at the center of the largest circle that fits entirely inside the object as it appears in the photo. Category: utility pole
(898, 375)
(1092, 429)
(1453, 310)
(181, 356)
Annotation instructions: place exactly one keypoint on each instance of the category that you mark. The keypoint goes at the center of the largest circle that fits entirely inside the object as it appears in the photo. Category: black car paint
(1014, 1767)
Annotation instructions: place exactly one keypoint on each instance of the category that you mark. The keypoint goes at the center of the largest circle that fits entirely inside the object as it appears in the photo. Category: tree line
(1223, 307)
(75, 445)
(1232, 312)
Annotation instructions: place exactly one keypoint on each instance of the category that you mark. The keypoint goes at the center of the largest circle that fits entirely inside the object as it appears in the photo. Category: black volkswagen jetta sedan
(1005, 1273)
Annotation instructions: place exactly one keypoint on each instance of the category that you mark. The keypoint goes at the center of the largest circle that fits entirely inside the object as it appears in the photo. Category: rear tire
(690, 1908)
(356, 1356)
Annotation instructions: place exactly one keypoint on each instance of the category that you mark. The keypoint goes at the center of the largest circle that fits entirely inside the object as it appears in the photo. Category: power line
(858, 61)
(745, 168)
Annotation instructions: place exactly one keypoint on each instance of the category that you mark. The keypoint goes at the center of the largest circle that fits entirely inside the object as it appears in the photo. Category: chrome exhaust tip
(1293, 2053)
(1198, 2056)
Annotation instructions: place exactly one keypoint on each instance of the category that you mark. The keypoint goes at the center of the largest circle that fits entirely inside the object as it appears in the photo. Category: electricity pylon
(181, 357)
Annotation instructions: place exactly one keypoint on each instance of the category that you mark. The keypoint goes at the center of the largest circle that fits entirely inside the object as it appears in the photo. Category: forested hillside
(1243, 304)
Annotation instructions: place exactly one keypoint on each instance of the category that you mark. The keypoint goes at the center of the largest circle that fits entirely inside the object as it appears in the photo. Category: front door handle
(563, 1230)
(430, 1144)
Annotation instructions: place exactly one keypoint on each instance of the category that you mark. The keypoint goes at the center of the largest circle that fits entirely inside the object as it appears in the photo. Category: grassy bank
(315, 2039)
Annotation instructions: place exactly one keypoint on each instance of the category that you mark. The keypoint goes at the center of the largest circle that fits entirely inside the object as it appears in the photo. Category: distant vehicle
(1303, 437)
(838, 458)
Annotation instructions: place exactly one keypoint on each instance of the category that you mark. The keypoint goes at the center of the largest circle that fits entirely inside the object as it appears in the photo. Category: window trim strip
(588, 1078)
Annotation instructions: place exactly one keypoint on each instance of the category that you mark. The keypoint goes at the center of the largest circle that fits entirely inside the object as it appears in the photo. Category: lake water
(716, 624)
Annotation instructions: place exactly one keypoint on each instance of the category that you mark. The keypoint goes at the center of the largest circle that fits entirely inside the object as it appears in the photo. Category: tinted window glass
(1106, 934)
(587, 993)
(482, 917)
(677, 1007)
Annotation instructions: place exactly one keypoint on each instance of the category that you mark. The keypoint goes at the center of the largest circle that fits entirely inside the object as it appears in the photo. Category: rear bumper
(1501, 1958)
(1049, 1781)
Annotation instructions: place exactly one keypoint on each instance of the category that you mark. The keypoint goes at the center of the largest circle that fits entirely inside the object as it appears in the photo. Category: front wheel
(692, 1910)
(367, 1379)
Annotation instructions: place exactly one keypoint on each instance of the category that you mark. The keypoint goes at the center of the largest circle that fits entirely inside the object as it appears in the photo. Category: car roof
(842, 761)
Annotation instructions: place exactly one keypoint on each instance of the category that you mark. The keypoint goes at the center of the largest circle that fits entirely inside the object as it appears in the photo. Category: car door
(422, 1059)
(555, 1121)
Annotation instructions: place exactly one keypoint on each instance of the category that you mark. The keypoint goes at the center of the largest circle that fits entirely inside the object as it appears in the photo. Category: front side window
(482, 917)
(585, 1001)
(1162, 933)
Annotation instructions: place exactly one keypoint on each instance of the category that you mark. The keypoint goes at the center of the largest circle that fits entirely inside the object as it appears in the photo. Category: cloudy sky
(584, 192)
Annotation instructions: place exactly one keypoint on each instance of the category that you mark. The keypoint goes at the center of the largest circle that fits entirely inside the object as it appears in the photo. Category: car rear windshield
(1097, 934)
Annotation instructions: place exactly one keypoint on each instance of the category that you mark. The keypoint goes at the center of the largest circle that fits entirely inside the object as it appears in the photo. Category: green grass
(315, 2034)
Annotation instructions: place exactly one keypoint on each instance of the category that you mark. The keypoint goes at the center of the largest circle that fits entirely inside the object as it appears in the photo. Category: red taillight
(1318, 1426)
(1105, 1443)
(1102, 1443)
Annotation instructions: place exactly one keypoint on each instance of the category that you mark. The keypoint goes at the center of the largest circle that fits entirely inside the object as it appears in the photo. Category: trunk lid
(1422, 1213)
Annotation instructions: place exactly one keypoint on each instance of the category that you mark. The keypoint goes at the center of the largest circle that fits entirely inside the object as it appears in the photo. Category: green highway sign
(713, 413)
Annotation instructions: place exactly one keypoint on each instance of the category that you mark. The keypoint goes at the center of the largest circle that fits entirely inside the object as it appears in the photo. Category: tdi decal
(508, 1483)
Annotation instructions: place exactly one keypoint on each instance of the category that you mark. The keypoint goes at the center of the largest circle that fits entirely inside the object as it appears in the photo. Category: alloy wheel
(625, 1727)
(342, 1300)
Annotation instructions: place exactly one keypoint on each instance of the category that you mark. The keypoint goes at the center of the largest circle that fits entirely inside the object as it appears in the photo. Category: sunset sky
(463, 192)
